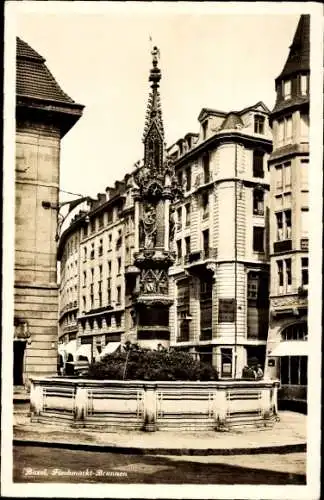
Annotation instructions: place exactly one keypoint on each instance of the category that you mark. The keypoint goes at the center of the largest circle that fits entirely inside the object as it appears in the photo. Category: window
(288, 130)
(205, 205)
(119, 265)
(84, 253)
(187, 208)
(206, 168)
(85, 231)
(91, 275)
(84, 278)
(258, 157)
(101, 221)
(84, 302)
(188, 179)
(187, 245)
(287, 214)
(304, 223)
(288, 271)
(284, 131)
(204, 129)
(259, 124)
(110, 216)
(283, 220)
(119, 239)
(252, 286)
(92, 252)
(100, 249)
(179, 249)
(183, 310)
(304, 127)
(100, 272)
(304, 270)
(304, 174)
(258, 202)
(93, 225)
(258, 239)
(279, 226)
(287, 174)
(109, 241)
(205, 235)
(109, 293)
(280, 272)
(287, 89)
(118, 295)
(109, 268)
(293, 370)
(179, 218)
(303, 84)
(118, 320)
(279, 177)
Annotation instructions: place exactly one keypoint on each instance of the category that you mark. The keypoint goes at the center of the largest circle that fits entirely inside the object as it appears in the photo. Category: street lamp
(57, 206)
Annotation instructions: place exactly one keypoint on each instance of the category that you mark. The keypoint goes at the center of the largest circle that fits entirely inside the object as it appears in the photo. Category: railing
(282, 246)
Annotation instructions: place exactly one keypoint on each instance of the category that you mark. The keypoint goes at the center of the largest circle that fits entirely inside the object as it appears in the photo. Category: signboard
(226, 310)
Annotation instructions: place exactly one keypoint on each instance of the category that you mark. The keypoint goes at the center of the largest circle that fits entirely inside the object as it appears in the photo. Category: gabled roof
(298, 58)
(205, 112)
(33, 78)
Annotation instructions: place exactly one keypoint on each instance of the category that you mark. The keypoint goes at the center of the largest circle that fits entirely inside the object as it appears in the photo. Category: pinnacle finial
(155, 73)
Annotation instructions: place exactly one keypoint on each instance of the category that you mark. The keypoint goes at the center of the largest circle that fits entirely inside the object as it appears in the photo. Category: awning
(84, 350)
(291, 348)
(109, 349)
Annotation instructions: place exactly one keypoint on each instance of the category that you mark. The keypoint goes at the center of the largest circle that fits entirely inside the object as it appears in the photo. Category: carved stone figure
(148, 223)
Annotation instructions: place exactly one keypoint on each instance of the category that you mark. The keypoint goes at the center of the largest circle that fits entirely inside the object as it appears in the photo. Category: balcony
(200, 258)
(282, 246)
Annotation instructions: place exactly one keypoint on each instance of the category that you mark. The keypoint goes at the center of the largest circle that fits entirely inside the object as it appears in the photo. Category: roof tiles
(33, 78)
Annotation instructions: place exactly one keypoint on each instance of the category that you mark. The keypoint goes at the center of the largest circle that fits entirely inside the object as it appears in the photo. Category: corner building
(199, 262)
(288, 166)
(220, 278)
(44, 114)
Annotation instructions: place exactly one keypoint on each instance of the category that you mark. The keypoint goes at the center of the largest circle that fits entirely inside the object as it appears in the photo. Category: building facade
(202, 269)
(44, 114)
(288, 166)
(220, 278)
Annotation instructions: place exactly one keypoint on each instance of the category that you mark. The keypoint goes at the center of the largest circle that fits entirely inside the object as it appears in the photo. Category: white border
(315, 297)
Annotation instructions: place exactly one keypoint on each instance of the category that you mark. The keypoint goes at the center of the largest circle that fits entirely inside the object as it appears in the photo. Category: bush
(136, 363)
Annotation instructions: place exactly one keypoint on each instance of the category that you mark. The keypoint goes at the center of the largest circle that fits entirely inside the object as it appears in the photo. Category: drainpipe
(235, 266)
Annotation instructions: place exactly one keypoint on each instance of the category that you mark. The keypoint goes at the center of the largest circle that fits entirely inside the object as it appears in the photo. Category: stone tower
(155, 188)
(44, 114)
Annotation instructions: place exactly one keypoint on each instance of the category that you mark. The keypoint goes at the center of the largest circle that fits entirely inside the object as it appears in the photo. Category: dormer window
(287, 89)
(204, 129)
(259, 124)
(304, 84)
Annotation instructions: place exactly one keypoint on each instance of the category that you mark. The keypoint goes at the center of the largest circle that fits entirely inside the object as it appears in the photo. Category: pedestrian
(245, 372)
(259, 372)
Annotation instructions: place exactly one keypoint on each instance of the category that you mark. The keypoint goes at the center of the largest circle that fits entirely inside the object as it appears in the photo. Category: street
(36, 464)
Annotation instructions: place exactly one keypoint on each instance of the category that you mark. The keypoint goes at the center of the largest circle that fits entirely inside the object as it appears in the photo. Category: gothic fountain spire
(153, 112)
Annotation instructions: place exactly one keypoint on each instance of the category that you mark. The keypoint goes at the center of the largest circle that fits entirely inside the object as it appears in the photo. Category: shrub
(135, 363)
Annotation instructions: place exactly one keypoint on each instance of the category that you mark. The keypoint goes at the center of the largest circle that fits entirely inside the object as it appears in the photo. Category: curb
(136, 450)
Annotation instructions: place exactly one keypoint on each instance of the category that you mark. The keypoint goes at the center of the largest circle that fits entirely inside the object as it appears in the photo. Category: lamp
(57, 206)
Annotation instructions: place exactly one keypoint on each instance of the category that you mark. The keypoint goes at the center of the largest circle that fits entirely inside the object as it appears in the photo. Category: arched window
(297, 331)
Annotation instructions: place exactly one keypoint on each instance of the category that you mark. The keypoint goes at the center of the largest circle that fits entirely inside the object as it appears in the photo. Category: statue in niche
(162, 282)
(148, 226)
(172, 225)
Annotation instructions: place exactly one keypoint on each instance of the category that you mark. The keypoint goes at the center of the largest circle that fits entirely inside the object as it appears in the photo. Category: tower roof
(298, 58)
(33, 78)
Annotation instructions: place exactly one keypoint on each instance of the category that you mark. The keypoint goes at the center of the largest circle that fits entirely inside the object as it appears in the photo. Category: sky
(102, 60)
